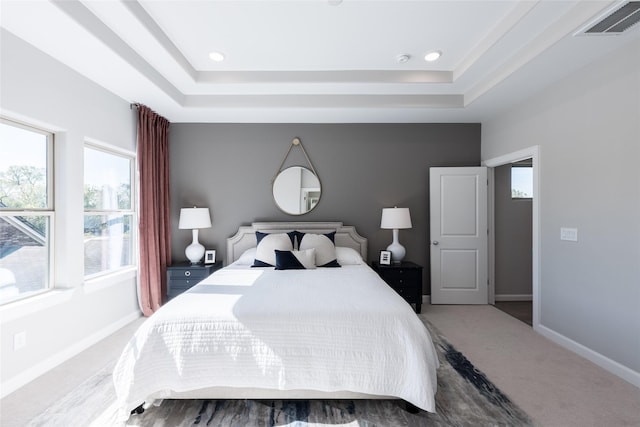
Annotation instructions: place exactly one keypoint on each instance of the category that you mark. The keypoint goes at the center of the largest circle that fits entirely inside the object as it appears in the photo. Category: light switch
(570, 234)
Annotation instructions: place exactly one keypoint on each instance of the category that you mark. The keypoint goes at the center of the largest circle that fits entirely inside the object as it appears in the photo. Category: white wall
(40, 91)
(588, 130)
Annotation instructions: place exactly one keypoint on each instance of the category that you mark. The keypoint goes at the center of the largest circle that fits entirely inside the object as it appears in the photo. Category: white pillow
(324, 246)
(267, 245)
(247, 257)
(348, 256)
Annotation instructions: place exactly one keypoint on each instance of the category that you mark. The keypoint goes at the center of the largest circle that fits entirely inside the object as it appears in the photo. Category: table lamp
(194, 219)
(395, 218)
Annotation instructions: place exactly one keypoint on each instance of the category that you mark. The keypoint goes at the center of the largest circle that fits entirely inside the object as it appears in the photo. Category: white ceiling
(317, 61)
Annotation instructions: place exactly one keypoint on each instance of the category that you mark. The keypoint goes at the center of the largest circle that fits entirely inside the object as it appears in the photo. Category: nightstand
(405, 278)
(182, 276)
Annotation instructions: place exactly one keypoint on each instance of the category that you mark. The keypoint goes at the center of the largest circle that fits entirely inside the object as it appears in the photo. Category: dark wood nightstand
(405, 278)
(182, 276)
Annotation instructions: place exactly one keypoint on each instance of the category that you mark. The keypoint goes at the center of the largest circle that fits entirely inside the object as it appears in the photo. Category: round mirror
(296, 190)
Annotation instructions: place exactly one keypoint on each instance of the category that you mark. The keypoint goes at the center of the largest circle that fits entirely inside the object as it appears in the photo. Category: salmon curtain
(155, 210)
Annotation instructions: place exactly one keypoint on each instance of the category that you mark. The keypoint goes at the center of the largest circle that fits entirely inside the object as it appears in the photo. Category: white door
(458, 207)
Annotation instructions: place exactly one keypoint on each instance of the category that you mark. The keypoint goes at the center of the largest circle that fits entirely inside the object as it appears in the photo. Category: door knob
(435, 243)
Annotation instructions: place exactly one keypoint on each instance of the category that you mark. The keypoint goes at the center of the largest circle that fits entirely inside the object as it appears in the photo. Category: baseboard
(604, 362)
(514, 297)
(48, 364)
(426, 299)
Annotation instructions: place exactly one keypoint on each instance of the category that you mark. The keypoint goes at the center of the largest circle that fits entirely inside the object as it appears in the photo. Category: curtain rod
(134, 104)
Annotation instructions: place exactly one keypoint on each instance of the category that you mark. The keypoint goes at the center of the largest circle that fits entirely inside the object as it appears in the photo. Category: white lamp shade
(395, 218)
(193, 218)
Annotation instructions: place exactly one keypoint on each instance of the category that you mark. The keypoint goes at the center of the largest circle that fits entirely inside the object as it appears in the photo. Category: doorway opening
(513, 235)
(513, 197)
(521, 310)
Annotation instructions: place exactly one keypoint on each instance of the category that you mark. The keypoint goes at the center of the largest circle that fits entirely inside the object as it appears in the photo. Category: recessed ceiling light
(216, 56)
(432, 56)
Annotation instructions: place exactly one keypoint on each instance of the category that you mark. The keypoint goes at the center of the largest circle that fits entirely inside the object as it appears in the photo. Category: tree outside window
(522, 179)
(26, 211)
(109, 214)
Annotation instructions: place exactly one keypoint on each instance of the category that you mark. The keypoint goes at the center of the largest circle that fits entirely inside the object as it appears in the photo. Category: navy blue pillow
(295, 260)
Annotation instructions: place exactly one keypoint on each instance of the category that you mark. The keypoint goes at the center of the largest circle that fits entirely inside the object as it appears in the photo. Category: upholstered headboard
(245, 237)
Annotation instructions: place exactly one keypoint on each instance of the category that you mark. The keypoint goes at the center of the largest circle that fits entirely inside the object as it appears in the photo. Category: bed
(250, 332)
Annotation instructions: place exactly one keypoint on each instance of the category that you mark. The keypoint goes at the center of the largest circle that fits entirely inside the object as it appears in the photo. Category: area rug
(465, 397)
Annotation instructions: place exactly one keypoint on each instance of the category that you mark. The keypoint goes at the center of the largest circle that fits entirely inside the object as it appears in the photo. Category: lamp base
(195, 251)
(397, 250)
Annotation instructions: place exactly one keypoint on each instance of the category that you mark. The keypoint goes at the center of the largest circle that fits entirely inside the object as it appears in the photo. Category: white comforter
(329, 329)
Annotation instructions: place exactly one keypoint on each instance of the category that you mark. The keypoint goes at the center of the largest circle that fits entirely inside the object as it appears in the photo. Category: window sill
(25, 307)
(30, 305)
(99, 283)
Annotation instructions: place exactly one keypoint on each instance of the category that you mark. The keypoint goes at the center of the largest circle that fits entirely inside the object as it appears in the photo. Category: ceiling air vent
(615, 22)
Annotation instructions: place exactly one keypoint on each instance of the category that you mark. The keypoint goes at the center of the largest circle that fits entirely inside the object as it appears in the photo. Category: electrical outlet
(569, 234)
(19, 340)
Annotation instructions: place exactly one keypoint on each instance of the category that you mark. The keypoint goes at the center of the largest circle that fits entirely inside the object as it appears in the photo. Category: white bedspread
(329, 329)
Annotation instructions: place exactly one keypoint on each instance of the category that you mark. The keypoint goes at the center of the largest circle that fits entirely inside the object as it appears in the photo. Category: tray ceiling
(316, 60)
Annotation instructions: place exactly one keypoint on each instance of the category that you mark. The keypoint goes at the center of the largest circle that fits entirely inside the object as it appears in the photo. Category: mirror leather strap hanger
(296, 142)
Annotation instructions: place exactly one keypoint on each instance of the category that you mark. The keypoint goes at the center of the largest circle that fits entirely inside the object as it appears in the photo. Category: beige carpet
(553, 385)
(465, 397)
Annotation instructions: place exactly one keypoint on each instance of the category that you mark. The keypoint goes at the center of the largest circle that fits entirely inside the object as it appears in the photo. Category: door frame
(526, 153)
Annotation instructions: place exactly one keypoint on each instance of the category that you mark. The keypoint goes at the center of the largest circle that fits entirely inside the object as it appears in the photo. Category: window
(109, 226)
(522, 179)
(26, 210)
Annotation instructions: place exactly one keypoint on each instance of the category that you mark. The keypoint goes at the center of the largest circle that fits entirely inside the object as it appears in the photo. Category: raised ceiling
(318, 61)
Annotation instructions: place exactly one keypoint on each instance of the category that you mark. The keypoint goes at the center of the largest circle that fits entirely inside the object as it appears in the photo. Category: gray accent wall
(587, 127)
(362, 168)
(512, 239)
